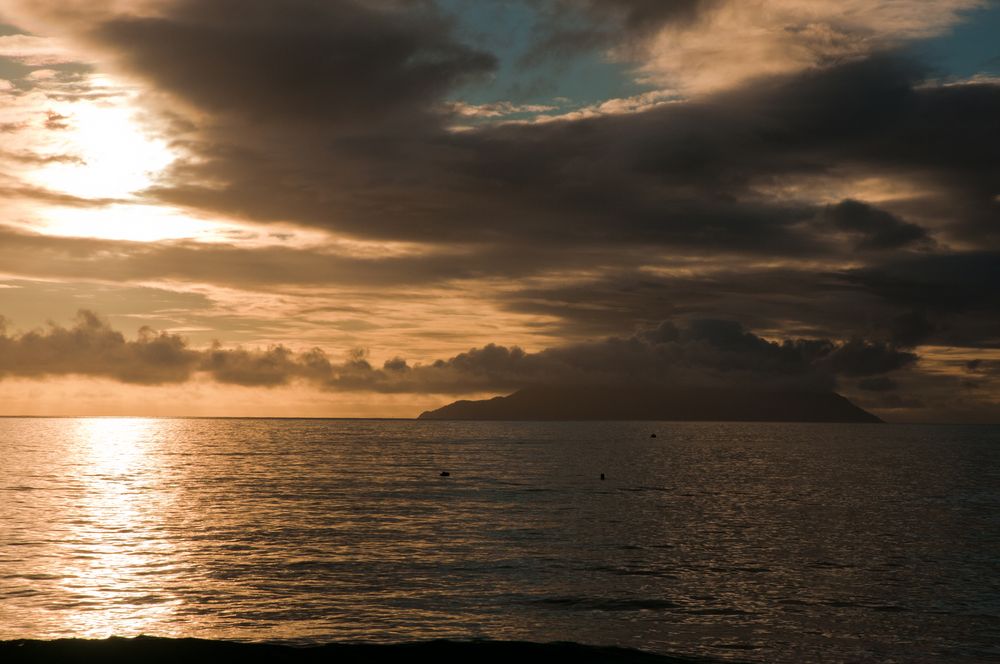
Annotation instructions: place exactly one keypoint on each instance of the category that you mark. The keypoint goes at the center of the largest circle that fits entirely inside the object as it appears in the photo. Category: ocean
(736, 542)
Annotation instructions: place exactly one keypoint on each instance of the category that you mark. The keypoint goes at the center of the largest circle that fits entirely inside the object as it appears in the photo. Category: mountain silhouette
(677, 404)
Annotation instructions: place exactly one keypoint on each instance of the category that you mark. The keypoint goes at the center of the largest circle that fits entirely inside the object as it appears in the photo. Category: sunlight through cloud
(109, 153)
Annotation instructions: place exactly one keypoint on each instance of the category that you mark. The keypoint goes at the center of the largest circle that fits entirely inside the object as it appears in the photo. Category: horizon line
(418, 419)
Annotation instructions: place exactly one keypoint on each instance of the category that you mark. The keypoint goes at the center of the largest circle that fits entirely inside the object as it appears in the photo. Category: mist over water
(756, 542)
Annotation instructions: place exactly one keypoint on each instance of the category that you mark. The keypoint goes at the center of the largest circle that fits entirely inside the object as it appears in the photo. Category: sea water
(750, 542)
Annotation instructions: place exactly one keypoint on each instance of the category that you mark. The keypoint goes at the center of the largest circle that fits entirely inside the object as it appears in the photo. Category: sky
(341, 208)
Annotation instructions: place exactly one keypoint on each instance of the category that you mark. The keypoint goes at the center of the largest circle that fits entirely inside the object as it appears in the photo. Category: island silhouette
(699, 404)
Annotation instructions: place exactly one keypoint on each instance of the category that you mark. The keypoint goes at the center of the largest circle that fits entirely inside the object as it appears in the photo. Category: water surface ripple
(754, 542)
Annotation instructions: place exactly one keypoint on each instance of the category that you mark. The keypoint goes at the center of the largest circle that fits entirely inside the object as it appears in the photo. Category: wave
(607, 604)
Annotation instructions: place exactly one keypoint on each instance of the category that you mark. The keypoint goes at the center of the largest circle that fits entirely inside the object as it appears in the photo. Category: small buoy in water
(652, 435)
(445, 473)
(602, 476)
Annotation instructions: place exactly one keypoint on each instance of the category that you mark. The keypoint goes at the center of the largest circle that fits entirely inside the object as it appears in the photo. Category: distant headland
(667, 404)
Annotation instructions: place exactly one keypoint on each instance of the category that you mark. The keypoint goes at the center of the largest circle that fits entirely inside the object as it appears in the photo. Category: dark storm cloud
(770, 297)
(320, 113)
(330, 61)
(911, 328)
(323, 113)
(878, 384)
(691, 176)
(952, 298)
(701, 353)
(940, 298)
(932, 396)
(958, 281)
(874, 228)
(859, 357)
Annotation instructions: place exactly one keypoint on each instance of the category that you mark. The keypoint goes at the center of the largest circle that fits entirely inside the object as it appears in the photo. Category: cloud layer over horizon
(703, 353)
(389, 172)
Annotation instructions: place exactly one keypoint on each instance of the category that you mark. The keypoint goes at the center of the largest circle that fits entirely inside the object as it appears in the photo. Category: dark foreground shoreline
(153, 650)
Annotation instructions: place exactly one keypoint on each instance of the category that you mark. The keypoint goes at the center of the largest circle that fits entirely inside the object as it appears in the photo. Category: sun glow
(94, 153)
(100, 151)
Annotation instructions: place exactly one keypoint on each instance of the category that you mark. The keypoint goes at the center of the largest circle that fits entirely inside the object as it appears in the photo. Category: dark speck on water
(736, 542)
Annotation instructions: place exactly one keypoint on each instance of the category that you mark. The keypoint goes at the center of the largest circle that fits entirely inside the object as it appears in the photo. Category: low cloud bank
(698, 353)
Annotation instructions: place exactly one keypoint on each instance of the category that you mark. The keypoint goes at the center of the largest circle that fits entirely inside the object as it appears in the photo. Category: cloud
(264, 368)
(626, 195)
(801, 177)
(35, 51)
(911, 328)
(336, 62)
(702, 353)
(648, 15)
(878, 384)
(986, 367)
(736, 41)
(498, 109)
(567, 27)
(694, 176)
(698, 47)
(859, 357)
(90, 347)
(267, 267)
(875, 229)
(943, 299)
(951, 298)
(334, 114)
(939, 298)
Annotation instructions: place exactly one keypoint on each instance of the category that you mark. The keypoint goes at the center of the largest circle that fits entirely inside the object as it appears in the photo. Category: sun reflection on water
(115, 445)
(117, 552)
